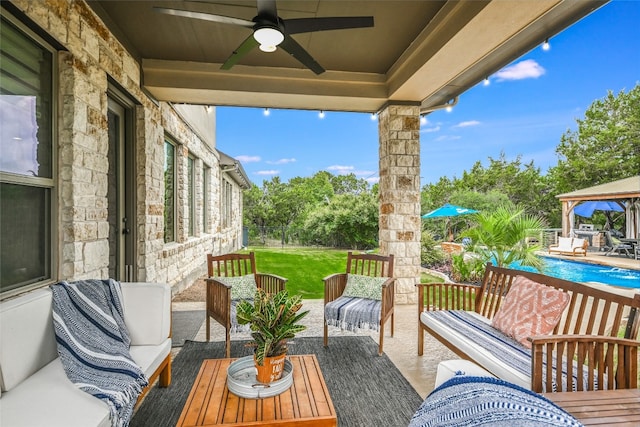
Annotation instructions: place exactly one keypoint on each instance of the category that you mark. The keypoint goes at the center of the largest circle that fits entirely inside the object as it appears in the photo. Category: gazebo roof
(622, 189)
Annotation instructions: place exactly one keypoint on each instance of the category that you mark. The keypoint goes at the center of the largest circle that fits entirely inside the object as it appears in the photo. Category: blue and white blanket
(93, 344)
(353, 314)
(485, 401)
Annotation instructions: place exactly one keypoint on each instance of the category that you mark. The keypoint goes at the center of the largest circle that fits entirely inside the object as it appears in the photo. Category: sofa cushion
(149, 357)
(28, 341)
(529, 309)
(360, 286)
(473, 334)
(48, 398)
(577, 243)
(147, 312)
(564, 244)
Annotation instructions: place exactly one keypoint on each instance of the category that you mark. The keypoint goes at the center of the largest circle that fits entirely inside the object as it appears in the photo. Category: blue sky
(524, 111)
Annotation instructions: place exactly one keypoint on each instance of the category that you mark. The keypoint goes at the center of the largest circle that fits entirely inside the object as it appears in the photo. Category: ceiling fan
(270, 31)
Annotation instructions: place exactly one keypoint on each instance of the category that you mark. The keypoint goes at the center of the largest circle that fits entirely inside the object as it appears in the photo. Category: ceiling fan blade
(268, 8)
(205, 16)
(241, 51)
(307, 25)
(294, 49)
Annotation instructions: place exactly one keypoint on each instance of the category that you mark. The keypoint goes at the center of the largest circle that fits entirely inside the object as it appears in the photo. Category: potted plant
(274, 319)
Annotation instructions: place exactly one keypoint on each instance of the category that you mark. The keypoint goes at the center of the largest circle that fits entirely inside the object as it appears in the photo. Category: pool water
(583, 272)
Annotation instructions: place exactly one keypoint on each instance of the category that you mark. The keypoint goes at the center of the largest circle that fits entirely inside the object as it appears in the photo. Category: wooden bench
(587, 333)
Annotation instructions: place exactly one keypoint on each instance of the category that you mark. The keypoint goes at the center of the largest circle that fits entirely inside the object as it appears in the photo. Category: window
(206, 187)
(226, 200)
(27, 175)
(191, 198)
(169, 191)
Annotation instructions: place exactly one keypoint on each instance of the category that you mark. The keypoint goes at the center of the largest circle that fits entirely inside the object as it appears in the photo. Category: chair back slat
(231, 265)
(370, 265)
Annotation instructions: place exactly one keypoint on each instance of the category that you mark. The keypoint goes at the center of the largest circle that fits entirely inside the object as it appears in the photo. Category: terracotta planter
(271, 370)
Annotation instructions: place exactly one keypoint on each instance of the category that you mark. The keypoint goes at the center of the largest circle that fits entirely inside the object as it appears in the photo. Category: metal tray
(241, 380)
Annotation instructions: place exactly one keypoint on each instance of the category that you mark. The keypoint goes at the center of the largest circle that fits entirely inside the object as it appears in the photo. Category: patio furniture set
(577, 332)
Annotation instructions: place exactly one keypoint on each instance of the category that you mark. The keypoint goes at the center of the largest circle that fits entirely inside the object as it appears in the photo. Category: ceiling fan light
(265, 48)
(268, 38)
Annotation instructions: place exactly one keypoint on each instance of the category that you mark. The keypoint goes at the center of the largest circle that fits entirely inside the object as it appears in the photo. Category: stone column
(400, 223)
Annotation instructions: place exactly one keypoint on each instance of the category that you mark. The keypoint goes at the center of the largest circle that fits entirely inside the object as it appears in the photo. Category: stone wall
(93, 62)
(400, 222)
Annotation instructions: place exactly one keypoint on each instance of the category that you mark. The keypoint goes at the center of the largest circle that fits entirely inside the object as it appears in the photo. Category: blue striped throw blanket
(93, 344)
(484, 401)
(353, 314)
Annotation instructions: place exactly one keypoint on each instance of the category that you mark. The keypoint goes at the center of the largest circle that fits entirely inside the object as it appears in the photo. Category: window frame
(50, 184)
(191, 194)
(170, 142)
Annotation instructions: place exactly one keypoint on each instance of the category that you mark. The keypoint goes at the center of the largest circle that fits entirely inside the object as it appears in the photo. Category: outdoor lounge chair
(363, 297)
(613, 245)
(570, 246)
(229, 271)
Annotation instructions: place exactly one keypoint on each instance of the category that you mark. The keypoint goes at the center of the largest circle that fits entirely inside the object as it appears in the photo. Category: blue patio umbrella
(448, 210)
(586, 209)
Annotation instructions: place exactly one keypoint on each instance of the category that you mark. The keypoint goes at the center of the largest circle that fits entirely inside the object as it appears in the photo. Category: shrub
(430, 253)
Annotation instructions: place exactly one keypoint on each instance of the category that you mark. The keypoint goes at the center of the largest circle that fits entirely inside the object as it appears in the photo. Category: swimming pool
(583, 272)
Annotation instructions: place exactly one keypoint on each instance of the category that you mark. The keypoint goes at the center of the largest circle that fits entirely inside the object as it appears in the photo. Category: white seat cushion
(149, 357)
(489, 361)
(449, 368)
(48, 399)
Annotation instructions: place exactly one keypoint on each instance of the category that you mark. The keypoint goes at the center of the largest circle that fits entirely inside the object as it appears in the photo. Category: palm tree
(500, 237)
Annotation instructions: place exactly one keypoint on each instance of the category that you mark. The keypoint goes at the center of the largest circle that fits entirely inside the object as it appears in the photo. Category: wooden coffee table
(306, 403)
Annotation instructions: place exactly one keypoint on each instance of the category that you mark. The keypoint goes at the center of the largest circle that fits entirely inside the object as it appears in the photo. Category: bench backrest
(591, 310)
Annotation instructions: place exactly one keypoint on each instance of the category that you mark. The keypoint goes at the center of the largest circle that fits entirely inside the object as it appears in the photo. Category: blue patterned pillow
(242, 287)
(364, 286)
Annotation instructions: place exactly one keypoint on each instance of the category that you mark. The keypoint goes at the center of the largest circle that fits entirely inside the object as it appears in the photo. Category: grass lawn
(306, 267)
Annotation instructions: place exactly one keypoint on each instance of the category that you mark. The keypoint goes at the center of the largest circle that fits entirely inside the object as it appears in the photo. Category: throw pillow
(242, 287)
(529, 309)
(360, 286)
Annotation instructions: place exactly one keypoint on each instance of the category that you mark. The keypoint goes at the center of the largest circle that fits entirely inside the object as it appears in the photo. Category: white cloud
(282, 161)
(248, 159)
(447, 138)
(467, 124)
(429, 130)
(527, 69)
(267, 172)
(341, 170)
(373, 180)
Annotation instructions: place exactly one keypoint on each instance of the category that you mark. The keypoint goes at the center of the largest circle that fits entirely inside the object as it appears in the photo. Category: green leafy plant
(274, 318)
(500, 237)
(466, 270)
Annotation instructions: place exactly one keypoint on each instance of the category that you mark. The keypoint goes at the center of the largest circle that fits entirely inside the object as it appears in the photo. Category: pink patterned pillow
(529, 309)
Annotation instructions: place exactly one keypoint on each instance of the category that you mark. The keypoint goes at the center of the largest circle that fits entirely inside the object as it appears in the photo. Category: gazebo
(624, 191)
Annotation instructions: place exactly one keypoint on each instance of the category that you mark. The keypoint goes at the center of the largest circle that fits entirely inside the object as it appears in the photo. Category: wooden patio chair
(362, 297)
(225, 272)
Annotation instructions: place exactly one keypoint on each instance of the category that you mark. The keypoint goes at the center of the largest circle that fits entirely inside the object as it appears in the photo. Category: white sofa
(35, 389)
(570, 246)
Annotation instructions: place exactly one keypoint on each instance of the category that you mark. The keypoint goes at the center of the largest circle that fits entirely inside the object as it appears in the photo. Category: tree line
(342, 210)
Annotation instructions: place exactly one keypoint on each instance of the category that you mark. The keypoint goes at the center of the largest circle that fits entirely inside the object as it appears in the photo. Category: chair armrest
(147, 312)
(446, 296)
(218, 301)
(271, 283)
(388, 296)
(334, 285)
(610, 362)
